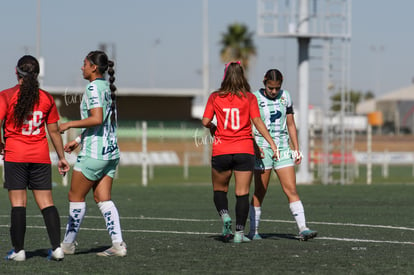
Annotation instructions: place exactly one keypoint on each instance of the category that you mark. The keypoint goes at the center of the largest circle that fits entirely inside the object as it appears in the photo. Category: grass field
(171, 227)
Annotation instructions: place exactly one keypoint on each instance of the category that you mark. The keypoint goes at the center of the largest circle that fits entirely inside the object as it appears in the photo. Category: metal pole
(206, 75)
(303, 175)
(38, 30)
(369, 157)
(144, 154)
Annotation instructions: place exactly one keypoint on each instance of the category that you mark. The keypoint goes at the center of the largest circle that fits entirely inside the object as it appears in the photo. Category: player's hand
(63, 127)
(297, 156)
(63, 166)
(213, 129)
(70, 146)
(276, 154)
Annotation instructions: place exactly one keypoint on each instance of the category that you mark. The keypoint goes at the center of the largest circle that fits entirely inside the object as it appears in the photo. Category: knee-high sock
(77, 212)
(255, 213)
(52, 222)
(299, 214)
(111, 216)
(242, 211)
(221, 202)
(18, 227)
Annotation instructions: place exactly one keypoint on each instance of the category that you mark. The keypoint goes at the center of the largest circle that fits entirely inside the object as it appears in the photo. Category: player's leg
(17, 224)
(102, 195)
(287, 179)
(242, 188)
(16, 178)
(221, 181)
(243, 173)
(261, 183)
(51, 218)
(262, 172)
(41, 185)
(79, 188)
(220, 175)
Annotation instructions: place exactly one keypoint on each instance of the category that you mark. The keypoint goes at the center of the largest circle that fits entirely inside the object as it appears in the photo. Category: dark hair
(100, 59)
(274, 75)
(27, 69)
(234, 81)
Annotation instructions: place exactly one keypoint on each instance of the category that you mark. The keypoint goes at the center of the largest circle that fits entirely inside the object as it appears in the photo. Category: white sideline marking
(361, 240)
(215, 233)
(216, 220)
(347, 224)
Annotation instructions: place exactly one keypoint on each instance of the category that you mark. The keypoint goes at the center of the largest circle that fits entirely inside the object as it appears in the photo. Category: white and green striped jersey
(273, 114)
(99, 142)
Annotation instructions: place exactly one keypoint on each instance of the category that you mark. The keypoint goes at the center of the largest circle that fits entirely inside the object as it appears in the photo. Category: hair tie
(227, 65)
(21, 72)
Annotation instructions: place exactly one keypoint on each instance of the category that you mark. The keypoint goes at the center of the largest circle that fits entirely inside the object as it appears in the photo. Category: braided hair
(273, 74)
(100, 59)
(27, 69)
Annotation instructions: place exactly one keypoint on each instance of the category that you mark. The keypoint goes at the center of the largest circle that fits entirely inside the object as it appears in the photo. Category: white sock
(299, 214)
(255, 213)
(77, 212)
(111, 216)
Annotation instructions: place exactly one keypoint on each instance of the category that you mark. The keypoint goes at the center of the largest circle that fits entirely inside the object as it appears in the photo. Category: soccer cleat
(307, 234)
(69, 248)
(227, 232)
(117, 249)
(240, 238)
(56, 255)
(253, 236)
(13, 256)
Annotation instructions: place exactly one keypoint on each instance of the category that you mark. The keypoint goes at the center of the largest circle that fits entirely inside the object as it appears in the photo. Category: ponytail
(27, 69)
(112, 87)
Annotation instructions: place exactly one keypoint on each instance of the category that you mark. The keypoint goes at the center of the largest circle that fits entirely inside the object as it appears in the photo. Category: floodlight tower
(306, 20)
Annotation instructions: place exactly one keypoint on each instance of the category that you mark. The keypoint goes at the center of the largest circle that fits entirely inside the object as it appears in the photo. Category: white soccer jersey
(273, 114)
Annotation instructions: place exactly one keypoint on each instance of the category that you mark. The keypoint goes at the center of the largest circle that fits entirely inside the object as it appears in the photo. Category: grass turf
(171, 226)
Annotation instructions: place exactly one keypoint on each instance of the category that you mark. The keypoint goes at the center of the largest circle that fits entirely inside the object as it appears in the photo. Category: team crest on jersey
(283, 101)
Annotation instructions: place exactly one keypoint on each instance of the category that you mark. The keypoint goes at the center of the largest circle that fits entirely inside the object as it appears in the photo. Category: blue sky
(158, 43)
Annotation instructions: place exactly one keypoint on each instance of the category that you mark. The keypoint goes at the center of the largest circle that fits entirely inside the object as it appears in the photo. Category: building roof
(130, 91)
(406, 93)
(370, 105)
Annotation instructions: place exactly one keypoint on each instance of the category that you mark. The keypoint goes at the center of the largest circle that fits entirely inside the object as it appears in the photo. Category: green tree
(353, 97)
(237, 44)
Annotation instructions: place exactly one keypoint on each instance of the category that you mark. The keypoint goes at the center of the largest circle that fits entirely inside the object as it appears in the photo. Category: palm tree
(237, 44)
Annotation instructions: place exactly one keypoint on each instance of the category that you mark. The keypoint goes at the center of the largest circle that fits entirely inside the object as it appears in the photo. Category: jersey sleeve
(53, 114)
(209, 110)
(254, 106)
(92, 97)
(3, 105)
(289, 103)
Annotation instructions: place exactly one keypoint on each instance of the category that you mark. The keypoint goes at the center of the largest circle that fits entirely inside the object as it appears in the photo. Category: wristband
(78, 140)
(296, 154)
(277, 152)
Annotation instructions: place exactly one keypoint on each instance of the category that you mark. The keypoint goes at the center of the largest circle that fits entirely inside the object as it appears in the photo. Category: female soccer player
(98, 156)
(276, 109)
(25, 112)
(234, 107)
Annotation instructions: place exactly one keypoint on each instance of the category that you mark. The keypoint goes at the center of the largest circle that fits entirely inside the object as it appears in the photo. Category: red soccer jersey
(234, 131)
(29, 143)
